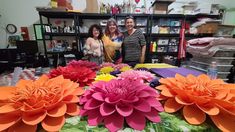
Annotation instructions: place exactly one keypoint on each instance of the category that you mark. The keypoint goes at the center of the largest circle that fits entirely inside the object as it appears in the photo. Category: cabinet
(162, 32)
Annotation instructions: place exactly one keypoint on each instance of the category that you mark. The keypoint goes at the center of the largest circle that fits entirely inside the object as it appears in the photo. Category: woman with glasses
(134, 44)
(112, 42)
(93, 48)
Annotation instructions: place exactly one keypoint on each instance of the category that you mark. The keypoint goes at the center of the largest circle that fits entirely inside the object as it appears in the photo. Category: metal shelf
(60, 34)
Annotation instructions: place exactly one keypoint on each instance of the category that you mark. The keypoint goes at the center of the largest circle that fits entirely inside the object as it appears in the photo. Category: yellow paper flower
(107, 69)
(125, 68)
(104, 77)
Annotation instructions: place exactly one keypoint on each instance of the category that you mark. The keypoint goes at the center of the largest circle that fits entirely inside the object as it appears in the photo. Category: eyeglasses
(129, 17)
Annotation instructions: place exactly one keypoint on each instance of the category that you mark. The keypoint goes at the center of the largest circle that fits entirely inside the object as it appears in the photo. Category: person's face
(130, 24)
(95, 33)
(112, 27)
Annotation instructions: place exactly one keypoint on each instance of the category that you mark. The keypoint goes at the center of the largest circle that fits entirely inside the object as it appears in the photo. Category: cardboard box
(208, 27)
(161, 6)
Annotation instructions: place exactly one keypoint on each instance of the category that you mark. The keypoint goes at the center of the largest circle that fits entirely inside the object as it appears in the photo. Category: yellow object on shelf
(155, 65)
(54, 4)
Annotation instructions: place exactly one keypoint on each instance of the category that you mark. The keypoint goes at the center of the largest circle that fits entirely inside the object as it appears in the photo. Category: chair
(27, 52)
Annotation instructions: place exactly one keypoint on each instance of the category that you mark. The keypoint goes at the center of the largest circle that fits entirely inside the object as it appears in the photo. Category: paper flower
(121, 65)
(104, 77)
(200, 96)
(46, 101)
(125, 68)
(107, 64)
(106, 70)
(82, 75)
(87, 64)
(137, 75)
(117, 100)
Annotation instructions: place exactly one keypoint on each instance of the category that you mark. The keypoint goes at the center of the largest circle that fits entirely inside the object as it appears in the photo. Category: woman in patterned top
(112, 42)
(93, 48)
(134, 44)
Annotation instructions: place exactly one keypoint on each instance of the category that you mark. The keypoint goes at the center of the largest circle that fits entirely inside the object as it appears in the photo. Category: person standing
(94, 47)
(134, 43)
(112, 42)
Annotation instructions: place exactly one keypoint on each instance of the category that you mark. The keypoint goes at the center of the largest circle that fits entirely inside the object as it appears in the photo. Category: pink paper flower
(82, 75)
(117, 100)
(88, 64)
(137, 75)
(107, 64)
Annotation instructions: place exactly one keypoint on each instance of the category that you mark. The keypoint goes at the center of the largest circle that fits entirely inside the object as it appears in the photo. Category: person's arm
(143, 47)
(142, 56)
(87, 47)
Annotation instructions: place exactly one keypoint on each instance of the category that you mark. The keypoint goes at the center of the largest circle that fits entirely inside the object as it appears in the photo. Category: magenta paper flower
(117, 101)
(137, 75)
(107, 64)
(88, 64)
(82, 75)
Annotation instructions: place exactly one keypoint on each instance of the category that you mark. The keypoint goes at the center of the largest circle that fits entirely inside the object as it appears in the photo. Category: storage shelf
(94, 16)
(164, 35)
(60, 34)
(164, 53)
(62, 52)
(196, 16)
(199, 35)
(48, 14)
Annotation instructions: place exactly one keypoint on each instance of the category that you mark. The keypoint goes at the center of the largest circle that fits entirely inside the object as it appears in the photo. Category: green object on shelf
(170, 123)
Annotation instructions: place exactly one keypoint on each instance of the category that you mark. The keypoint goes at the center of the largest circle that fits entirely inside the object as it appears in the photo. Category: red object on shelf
(65, 3)
(25, 33)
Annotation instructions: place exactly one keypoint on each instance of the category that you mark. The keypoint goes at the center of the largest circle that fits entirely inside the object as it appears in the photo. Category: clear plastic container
(212, 71)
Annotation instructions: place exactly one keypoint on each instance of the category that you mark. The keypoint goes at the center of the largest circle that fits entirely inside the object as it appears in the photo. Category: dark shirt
(132, 44)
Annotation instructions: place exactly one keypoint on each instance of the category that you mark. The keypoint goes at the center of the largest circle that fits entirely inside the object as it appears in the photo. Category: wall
(23, 13)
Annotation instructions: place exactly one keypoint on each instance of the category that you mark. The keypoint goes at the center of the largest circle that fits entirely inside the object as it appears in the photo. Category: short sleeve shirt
(132, 45)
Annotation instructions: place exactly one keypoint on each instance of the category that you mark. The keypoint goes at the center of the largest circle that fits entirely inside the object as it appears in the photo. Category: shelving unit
(144, 21)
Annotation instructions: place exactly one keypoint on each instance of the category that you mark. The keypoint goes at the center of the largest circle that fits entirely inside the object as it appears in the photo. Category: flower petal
(98, 96)
(58, 110)
(171, 106)
(194, 115)
(79, 91)
(106, 109)
(92, 104)
(33, 118)
(8, 120)
(166, 92)
(73, 109)
(71, 99)
(94, 117)
(136, 120)
(53, 123)
(22, 127)
(114, 122)
(7, 91)
(143, 106)
(182, 100)
(153, 116)
(224, 121)
(124, 110)
(209, 109)
(8, 108)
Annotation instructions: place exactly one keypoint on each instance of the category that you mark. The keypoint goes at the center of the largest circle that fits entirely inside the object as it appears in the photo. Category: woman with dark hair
(112, 42)
(134, 44)
(93, 48)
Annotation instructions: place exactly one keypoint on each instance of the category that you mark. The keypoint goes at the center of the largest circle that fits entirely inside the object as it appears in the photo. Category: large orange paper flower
(200, 96)
(44, 101)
